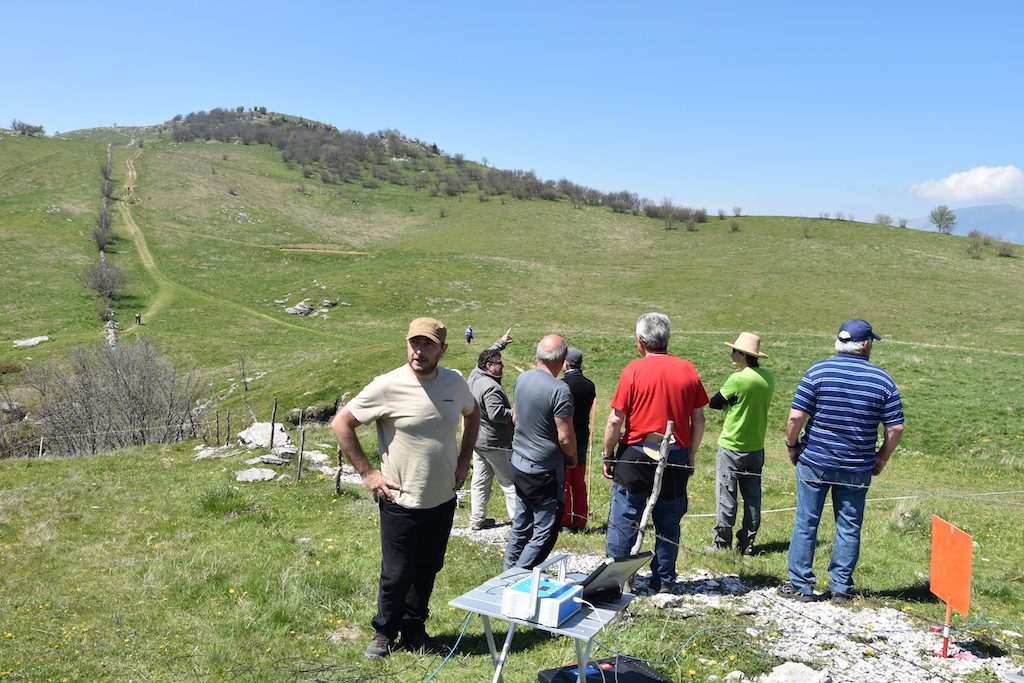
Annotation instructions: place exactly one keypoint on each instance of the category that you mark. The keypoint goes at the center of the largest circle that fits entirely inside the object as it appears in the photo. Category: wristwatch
(793, 445)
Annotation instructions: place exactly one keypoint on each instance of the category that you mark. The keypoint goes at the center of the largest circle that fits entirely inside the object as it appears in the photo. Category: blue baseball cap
(856, 330)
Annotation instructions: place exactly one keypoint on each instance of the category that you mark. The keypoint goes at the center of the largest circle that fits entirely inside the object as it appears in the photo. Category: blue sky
(786, 108)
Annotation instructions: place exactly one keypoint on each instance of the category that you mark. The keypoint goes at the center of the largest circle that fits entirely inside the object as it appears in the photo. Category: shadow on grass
(917, 592)
(476, 643)
(776, 547)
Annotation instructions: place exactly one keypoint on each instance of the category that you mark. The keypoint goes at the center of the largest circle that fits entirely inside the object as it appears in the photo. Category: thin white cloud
(978, 184)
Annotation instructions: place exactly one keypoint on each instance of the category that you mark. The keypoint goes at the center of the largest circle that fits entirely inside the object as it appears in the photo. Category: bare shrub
(691, 224)
(825, 215)
(103, 278)
(883, 219)
(19, 438)
(737, 211)
(1007, 249)
(232, 190)
(902, 221)
(667, 210)
(10, 369)
(700, 215)
(107, 397)
(102, 238)
(974, 248)
(484, 196)
(840, 216)
(550, 194)
(224, 156)
(442, 211)
(721, 214)
(734, 224)
(104, 309)
(371, 183)
(307, 172)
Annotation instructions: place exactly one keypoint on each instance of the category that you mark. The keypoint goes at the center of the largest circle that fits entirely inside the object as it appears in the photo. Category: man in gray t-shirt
(544, 444)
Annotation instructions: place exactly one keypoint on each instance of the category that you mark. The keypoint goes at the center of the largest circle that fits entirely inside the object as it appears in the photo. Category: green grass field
(148, 565)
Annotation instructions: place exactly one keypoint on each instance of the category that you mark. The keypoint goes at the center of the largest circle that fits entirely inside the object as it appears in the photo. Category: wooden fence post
(273, 418)
(655, 489)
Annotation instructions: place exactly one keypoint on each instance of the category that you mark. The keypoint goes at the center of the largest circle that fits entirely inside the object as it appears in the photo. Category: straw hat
(749, 344)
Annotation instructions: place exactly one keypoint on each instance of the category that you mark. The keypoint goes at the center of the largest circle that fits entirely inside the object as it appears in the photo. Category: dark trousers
(413, 544)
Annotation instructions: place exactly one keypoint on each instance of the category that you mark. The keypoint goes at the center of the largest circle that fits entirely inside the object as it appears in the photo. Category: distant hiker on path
(469, 336)
(745, 398)
(842, 401)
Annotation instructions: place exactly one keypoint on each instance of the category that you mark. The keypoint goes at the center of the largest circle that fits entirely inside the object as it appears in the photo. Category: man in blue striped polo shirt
(839, 405)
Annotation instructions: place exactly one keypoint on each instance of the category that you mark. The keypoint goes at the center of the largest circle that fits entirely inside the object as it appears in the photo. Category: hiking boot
(717, 548)
(379, 648)
(488, 523)
(421, 642)
(745, 548)
(791, 592)
(838, 598)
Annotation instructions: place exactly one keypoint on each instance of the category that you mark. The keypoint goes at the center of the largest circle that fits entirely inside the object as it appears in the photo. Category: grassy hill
(216, 235)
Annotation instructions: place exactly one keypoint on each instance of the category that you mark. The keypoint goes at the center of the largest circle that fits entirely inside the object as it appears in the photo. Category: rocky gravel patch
(857, 642)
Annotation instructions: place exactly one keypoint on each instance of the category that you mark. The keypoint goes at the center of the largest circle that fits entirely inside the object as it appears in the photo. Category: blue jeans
(536, 523)
(624, 523)
(849, 491)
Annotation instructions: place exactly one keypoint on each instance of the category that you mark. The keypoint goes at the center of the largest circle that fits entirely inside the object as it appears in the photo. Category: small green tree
(943, 219)
(26, 128)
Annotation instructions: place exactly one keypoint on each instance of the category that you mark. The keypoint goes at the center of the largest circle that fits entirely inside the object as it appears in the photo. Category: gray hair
(653, 329)
(555, 354)
(853, 348)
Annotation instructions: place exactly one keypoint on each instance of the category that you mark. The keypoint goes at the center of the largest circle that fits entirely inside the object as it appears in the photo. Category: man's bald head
(551, 350)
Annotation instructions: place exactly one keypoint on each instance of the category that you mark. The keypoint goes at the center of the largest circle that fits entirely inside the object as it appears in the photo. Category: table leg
(504, 654)
(582, 659)
(490, 639)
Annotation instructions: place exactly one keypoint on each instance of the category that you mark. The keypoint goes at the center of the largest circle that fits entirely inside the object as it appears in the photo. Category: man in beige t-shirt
(417, 409)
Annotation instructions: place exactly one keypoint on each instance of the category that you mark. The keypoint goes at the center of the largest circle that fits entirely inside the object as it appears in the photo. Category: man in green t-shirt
(745, 397)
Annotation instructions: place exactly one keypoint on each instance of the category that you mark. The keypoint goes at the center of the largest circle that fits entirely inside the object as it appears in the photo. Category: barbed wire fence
(207, 427)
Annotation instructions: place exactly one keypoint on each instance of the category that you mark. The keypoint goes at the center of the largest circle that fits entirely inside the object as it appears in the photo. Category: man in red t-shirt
(652, 391)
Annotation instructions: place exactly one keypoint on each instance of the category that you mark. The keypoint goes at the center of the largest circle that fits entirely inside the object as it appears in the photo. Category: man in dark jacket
(583, 393)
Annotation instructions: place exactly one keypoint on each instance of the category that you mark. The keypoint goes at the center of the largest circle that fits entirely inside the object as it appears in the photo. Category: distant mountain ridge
(1001, 220)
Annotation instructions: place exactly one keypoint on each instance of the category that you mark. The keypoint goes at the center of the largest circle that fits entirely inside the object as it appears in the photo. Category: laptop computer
(608, 580)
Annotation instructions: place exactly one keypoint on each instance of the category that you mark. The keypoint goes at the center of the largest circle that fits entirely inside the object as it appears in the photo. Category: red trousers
(576, 509)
